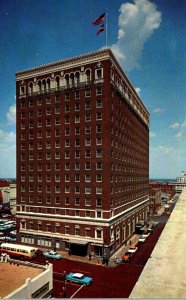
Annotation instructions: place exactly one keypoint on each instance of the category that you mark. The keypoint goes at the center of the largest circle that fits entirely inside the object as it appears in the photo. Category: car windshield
(52, 252)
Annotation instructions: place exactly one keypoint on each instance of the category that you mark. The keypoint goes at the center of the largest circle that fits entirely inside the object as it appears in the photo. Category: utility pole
(64, 287)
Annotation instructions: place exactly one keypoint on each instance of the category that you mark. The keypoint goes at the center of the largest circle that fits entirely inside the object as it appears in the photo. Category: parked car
(127, 256)
(52, 254)
(142, 239)
(146, 234)
(132, 249)
(79, 278)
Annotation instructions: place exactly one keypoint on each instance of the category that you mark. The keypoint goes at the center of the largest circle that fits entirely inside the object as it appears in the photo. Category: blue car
(52, 254)
(79, 278)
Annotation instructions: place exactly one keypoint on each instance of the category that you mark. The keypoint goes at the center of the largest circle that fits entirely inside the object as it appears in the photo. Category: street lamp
(64, 287)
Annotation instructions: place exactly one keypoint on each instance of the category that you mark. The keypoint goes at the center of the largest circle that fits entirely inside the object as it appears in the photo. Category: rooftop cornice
(53, 65)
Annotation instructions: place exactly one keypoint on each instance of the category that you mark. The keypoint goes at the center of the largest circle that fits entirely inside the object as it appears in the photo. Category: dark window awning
(78, 242)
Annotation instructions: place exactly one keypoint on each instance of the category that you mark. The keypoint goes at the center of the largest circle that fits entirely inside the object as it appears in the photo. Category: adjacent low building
(24, 280)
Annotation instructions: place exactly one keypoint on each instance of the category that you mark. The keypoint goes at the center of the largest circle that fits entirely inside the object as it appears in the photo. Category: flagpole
(106, 29)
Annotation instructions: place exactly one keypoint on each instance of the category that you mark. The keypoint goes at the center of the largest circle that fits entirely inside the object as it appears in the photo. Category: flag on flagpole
(99, 20)
(101, 29)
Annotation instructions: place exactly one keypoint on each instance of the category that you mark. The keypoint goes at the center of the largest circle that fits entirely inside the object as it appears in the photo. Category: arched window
(30, 88)
(72, 79)
(77, 78)
(67, 80)
(39, 86)
(44, 85)
(88, 77)
(57, 82)
(48, 84)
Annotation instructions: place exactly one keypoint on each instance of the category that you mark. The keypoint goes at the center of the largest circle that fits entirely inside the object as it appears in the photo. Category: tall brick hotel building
(82, 155)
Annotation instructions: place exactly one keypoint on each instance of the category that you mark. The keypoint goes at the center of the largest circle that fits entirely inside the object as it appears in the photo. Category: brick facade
(82, 155)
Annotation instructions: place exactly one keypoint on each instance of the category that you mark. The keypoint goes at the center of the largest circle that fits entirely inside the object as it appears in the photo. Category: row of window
(67, 201)
(88, 118)
(57, 144)
(58, 189)
(57, 155)
(57, 133)
(87, 105)
(67, 178)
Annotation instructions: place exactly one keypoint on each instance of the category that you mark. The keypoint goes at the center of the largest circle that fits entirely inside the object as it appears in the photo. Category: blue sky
(147, 37)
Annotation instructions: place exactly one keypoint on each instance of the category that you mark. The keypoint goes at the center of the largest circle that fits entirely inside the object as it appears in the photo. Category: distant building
(7, 196)
(180, 182)
(82, 155)
(155, 199)
(165, 187)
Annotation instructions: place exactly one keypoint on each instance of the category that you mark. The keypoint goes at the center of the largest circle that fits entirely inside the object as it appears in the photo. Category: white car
(132, 249)
(142, 239)
(146, 234)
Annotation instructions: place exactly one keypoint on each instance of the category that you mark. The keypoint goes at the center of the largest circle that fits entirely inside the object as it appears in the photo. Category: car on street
(142, 239)
(52, 254)
(79, 278)
(133, 249)
(127, 256)
(146, 234)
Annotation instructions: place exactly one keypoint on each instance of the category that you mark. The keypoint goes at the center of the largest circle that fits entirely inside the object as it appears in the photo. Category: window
(98, 153)
(87, 190)
(48, 111)
(77, 201)
(57, 133)
(98, 91)
(88, 166)
(67, 96)
(77, 177)
(87, 129)
(57, 121)
(67, 189)
(98, 190)
(98, 234)
(99, 116)
(87, 202)
(57, 110)
(31, 114)
(87, 142)
(77, 106)
(67, 201)
(57, 200)
(57, 99)
(67, 120)
(57, 155)
(67, 166)
(77, 95)
(48, 134)
(77, 213)
(98, 202)
(67, 143)
(48, 178)
(77, 231)
(99, 165)
(77, 189)
(99, 74)
(48, 155)
(98, 128)
(87, 118)
(77, 166)
(39, 113)
(87, 93)
(57, 167)
(98, 178)
(67, 108)
(48, 188)
(77, 119)
(67, 177)
(67, 154)
(77, 131)
(57, 178)
(48, 100)
(87, 213)
(87, 178)
(98, 141)
(87, 105)
(67, 131)
(99, 214)
(57, 144)
(77, 154)
(57, 189)
(77, 142)
(87, 153)
(48, 200)
(87, 232)
(67, 230)
(48, 122)
(98, 103)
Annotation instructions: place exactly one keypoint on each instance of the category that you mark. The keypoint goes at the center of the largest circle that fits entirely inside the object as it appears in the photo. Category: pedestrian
(2, 258)
(89, 256)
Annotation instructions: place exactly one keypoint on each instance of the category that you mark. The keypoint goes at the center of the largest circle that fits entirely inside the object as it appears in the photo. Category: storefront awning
(78, 242)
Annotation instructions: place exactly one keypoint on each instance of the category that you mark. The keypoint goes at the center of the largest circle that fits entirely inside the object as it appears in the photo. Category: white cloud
(181, 135)
(158, 110)
(7, 154)
(166, 161)
(137, 22)
(152, 134)
(138, 90)
(11, 114)
(175, 125)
